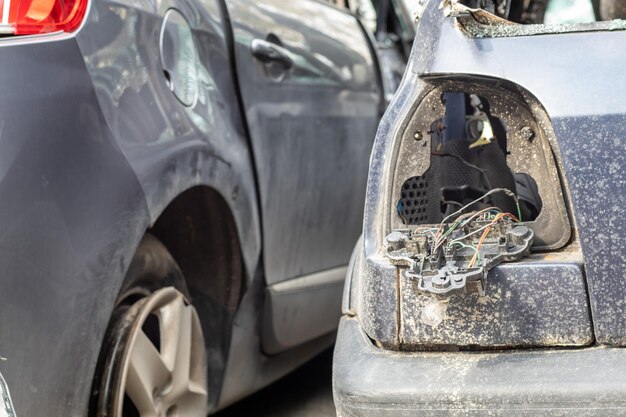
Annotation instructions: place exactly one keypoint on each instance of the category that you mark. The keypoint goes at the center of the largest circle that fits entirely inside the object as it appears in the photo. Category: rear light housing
(30, 17)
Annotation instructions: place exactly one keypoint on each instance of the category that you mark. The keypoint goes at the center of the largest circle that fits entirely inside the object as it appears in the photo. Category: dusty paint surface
(481, 24)
(525, 304)
(594, 155)
(581, 118)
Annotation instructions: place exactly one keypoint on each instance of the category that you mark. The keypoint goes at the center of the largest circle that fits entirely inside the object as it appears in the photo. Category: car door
(312, 99)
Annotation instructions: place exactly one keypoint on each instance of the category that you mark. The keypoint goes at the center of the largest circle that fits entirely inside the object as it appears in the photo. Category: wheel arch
(199, 229)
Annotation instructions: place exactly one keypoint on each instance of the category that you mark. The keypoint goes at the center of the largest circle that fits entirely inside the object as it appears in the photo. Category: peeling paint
(482, 24)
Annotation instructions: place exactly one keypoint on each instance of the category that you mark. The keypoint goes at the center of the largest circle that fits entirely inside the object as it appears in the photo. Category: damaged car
(181, 186)
(489, 279)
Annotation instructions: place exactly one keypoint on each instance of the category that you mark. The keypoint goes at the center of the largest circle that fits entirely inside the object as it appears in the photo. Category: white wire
(495, 190)
(458, 239)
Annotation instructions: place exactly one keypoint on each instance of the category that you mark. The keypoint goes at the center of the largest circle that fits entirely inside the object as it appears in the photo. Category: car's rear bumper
(368, 381)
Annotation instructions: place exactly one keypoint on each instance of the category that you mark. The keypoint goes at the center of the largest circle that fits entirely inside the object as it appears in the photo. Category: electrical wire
(479, 212)
(482, 171)
(440, 238)
(452, 202)
(464, 219)
(474, 232)
(486, 232)
(476, 252)
(426, 230)
(493, 191)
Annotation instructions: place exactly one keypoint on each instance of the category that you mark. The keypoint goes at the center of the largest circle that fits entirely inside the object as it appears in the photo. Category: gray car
(490, 276)
(181, 186)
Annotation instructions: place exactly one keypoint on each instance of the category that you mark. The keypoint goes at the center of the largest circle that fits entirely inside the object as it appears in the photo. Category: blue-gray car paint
(577, 78)
(586, 109)
(93, 147)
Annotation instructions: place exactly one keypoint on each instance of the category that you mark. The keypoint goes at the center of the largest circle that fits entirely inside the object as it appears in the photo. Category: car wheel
(153, 363)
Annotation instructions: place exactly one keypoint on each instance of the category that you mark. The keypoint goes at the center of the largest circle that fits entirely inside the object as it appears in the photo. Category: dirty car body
(544, 333)
(226, 130)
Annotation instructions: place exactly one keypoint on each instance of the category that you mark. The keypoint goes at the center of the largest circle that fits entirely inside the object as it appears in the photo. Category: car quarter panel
(72, 213)
(170, 146)
(164, 78)
(93, 147)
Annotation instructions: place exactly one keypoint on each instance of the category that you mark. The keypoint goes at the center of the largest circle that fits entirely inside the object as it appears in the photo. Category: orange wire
(486, 232)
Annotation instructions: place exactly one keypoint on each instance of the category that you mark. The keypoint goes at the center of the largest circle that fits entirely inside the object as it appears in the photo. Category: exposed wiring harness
(491, 214)
(487, 229)
(455, 255)
(487, 194)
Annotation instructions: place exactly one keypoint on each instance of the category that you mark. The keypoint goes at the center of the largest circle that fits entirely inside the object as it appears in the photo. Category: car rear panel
(578, 79)
(545, 338)
(571, 83)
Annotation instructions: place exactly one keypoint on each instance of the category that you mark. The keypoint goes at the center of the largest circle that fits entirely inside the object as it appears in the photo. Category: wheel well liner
(199, 230)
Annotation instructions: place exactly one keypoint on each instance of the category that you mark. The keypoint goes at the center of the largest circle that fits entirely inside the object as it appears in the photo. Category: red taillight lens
(27, 17)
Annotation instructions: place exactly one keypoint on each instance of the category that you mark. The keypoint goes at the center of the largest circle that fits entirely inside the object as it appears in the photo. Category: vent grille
(413, 204)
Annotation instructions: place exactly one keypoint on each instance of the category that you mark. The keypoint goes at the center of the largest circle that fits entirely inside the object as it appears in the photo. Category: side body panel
(71, 215)
(311, 127)
(93, 147)
(172, 146)
(312, 114)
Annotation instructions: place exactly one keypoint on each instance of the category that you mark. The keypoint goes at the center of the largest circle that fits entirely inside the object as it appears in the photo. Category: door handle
(270, 52)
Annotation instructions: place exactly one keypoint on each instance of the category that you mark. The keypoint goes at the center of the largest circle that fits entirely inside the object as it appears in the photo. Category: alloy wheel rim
(163, 365)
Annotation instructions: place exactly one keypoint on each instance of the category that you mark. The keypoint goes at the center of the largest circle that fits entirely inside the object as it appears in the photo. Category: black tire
(152, 270)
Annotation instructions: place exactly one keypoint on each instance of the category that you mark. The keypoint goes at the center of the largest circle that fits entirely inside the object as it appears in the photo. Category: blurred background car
(489, 279)
(182, 186)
